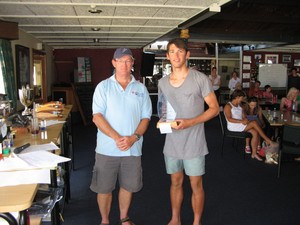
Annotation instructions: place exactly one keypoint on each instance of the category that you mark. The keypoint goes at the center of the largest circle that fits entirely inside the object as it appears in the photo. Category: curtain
(8, 71)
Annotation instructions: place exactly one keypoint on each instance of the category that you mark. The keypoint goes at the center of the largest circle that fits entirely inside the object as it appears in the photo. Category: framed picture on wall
(22, 66)
(271, 59)
(297, 62)
(286, 58)
(257, 56)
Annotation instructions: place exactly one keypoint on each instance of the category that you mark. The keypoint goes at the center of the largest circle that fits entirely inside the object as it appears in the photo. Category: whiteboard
(273, 74)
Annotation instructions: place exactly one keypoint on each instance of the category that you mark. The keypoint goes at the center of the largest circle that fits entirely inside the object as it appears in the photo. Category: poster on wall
(22, 66)
(246, 67)
(247, 58)
(246, 75)
(271, 59)
(246, 84)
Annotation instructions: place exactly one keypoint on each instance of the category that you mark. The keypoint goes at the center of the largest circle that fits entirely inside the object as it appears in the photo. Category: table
(53, 132)
(282, 118)
(274, 127)
(17, 198)
(20, 197)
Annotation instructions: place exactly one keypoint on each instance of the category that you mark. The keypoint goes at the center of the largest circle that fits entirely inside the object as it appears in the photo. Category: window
(2, 90)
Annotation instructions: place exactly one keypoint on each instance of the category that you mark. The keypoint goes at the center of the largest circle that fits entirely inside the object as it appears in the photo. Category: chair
(8, 218)
(231, 134)
(290, 143)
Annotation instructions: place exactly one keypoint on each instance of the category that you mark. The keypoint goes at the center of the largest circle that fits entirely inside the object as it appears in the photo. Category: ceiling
(138, 23)
(131, 23)
(256, 24)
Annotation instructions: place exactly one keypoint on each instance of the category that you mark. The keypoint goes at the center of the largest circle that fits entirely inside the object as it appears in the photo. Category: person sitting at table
(254, 112)
(287, 102)
(267, 94)
(255, 90)
(237, 121)
(233, 81)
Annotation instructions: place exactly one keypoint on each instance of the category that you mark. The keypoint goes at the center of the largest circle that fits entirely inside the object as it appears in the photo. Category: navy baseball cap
(120, 52)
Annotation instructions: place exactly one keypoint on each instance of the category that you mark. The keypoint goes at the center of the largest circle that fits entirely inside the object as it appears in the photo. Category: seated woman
(267, 94)
(237, 121)
(255, 90)
(254, 112)
(287, 102)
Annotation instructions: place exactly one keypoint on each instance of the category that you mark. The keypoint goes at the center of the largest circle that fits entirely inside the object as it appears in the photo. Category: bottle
(6, 147)
(274, 113)
(1, 154)
(274, 99)
(43, 125)
(294, 106)
(10, 137)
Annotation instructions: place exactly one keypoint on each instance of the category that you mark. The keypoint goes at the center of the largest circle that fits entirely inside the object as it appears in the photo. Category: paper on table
(43, 159)
(43, 147)
(13, 163)
(25, 177)
(53, 122)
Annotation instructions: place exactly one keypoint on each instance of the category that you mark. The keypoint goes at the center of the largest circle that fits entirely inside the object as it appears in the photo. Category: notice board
(273, 74)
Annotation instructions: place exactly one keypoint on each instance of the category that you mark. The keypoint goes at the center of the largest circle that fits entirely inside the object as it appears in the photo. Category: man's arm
(142, 127)
(105, 127)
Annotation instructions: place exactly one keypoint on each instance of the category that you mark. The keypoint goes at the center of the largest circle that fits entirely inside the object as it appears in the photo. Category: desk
(20, 197)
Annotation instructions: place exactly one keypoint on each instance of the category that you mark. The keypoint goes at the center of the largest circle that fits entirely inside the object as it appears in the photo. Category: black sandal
(127, 219)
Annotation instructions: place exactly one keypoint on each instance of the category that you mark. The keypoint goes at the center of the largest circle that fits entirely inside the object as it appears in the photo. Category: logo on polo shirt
(137, 93)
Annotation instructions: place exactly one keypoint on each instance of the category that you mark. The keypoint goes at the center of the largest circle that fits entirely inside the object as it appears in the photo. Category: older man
(121, 112)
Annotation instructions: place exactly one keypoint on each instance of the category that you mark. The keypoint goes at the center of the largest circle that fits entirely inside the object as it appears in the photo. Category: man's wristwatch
(137, 136)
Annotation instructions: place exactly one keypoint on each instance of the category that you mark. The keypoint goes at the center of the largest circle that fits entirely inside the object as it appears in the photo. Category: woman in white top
(215, 81)
(234, 81)
(237, 121)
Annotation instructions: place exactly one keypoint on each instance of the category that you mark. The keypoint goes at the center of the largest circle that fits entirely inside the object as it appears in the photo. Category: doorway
(39, 76)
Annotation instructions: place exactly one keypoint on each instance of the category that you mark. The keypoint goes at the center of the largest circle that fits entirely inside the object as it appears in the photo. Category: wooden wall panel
(9, 30)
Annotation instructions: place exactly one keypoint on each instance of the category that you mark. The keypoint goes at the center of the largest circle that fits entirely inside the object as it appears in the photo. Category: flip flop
(127, 219)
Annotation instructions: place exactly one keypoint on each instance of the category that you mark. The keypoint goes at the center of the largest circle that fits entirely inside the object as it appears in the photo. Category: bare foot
(256, 157)
(174, 222)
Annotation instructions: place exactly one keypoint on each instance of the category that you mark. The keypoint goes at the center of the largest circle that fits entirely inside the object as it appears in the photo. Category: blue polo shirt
(123, 109)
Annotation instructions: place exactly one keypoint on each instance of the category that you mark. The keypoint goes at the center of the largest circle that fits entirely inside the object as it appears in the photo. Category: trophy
(165, 111)
(26, 99)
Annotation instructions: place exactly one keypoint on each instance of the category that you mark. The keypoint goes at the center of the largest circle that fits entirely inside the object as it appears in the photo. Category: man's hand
(182, 124)
(124, 143)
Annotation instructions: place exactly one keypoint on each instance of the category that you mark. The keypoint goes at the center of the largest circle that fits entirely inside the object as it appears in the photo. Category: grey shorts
(192, 167)
(108, 169)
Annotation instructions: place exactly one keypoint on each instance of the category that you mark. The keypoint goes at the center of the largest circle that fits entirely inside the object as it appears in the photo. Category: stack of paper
(31, 166)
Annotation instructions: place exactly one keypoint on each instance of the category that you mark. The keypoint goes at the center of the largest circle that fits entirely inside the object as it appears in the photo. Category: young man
(185, 148)
(121, 112)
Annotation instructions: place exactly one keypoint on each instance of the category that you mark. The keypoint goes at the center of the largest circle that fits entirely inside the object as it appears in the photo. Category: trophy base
(173, 123)
(26, 112)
